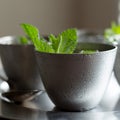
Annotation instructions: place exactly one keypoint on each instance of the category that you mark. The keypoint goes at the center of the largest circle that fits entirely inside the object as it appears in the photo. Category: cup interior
(93, 46)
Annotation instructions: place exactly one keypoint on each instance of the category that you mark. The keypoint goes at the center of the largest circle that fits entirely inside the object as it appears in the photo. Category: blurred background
(53, 16)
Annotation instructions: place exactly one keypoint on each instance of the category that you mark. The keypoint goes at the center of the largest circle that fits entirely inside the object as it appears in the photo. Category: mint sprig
(112, 34)
(23, 40)
(39, 42)
(65, 42)
(88, 51)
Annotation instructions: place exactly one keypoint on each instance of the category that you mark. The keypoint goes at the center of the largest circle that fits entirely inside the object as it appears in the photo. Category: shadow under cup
(20, 66)
(77, 82)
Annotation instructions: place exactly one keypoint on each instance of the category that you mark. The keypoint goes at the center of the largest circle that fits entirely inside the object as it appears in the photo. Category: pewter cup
(19, 64)
(77, 82)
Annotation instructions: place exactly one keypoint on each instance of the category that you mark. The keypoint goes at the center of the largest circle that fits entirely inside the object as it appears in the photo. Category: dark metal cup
(77, 82)
(19, 64)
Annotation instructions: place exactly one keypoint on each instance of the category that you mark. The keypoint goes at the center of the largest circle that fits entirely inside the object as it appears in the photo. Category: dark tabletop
(41, 108)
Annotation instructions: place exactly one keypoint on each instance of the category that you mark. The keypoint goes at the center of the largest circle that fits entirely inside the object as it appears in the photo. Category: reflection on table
(41, 107)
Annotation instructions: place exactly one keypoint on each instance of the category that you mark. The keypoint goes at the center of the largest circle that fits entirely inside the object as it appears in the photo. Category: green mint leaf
(115, 28)
(88, 51)
(39, 43)
(65, 42)
(53, 41)
(24, 40)
(112, 34)
(43, 46)
(31, 31)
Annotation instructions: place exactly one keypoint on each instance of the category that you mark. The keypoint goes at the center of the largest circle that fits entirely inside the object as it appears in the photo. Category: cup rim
(113, 48)
(6, 41)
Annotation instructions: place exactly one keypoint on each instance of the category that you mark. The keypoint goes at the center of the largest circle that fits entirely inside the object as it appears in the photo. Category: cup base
(57, 108)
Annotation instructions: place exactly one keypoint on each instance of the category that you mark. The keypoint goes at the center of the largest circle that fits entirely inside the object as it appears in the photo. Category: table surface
(41, 108)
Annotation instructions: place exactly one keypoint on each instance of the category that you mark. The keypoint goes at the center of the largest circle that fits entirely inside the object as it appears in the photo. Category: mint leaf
(24, 40)
(43, 46)
(88, 51)
(54, 42)
(65, 42)
(39, 42)
(112, 34)
(115, 28)
(31, 31)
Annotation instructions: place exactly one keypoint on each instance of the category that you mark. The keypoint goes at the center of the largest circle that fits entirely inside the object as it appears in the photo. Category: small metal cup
(19, 64)
(77, 82)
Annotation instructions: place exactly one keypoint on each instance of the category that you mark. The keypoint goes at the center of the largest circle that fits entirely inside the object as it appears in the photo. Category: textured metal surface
(19, 64)
(41, 108)
(117, 64)
(73, 80)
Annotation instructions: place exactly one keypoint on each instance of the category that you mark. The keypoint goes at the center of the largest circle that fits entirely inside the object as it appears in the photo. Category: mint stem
(60, 43)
